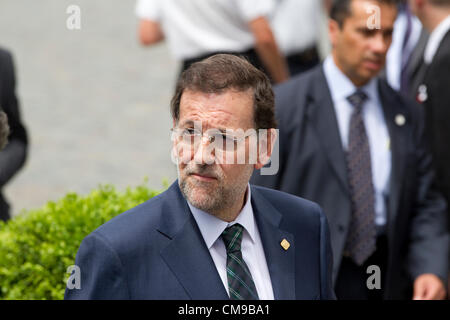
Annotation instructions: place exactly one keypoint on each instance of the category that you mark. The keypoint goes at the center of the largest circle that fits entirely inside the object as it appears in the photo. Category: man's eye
(228, 139)
(388, 34)
(189, 131)
(367, 32)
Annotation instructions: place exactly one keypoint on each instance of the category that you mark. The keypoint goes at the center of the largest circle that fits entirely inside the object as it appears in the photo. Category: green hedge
(36, 247)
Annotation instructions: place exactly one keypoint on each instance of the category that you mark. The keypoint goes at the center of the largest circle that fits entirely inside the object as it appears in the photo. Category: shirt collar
(341, 86)
(211, 227)
(435, 40)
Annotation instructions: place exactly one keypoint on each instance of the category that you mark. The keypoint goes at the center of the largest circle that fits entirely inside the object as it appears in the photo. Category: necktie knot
(357, 100)
(232, 238)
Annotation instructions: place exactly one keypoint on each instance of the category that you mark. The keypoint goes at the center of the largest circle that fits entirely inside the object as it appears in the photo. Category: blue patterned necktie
(240, 281)
(361, 239)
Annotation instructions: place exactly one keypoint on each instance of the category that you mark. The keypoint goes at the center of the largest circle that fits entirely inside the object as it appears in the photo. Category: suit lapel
(186, 254)
(416, 58)
(322, 115)
(396, 121)
(281, 263)
(189, 259)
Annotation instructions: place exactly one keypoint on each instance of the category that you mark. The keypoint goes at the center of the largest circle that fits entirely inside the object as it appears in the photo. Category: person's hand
(428, 287)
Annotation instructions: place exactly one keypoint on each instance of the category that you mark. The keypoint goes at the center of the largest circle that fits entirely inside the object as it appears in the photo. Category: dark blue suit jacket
(156, 251)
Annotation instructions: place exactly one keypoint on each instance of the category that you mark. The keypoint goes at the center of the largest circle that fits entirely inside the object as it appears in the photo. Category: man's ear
(174, 154)
(333, 31)
(266, 143)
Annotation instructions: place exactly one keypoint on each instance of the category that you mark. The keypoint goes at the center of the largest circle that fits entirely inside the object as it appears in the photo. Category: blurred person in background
(294, 24)
(13, 156)
(352, 144)
(404, 55)
(434, 90)
(196, 29)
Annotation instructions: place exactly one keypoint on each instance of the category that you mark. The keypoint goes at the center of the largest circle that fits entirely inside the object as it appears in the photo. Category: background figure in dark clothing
(13, 156)
(356, 147)
(434, 89)
(434, 92)
(407, 39)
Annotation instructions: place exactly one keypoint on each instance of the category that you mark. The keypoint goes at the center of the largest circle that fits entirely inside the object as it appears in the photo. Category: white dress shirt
(394, 56)
(196, 27)
(377, 133)
(252, 249)
(294, 24)
(435, 40)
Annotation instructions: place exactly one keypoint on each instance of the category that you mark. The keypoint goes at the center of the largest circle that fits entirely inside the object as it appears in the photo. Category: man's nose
(378, 44)
(204, 151)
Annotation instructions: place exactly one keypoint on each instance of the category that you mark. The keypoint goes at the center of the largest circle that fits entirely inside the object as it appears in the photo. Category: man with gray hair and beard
(212, 235)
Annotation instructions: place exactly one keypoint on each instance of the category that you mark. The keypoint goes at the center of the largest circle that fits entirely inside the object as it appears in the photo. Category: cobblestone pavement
(95, 103)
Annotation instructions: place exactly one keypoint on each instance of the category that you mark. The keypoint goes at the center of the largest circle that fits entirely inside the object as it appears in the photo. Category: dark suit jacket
(156, 251)
(437, 107)
(12, 158)
(312, 165)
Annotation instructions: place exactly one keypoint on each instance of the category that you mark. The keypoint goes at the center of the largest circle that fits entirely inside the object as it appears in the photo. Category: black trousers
(351, 283)
(303, 61)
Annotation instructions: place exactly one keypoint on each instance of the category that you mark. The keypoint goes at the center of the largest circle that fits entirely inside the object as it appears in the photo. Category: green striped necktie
(240, 281)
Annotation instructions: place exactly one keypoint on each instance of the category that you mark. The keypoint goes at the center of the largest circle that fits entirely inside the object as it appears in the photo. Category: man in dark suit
(211, 235)
(353, 145)
(12, 158)
(434, 90)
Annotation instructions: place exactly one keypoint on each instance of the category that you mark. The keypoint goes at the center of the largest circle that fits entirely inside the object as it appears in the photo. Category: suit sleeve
(428, 248)
(326, 260)
(102, 276)
(439, 109)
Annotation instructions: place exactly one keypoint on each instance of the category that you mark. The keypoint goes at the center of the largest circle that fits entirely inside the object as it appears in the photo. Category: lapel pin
(400, 120)
(285, 244)
(422, 94)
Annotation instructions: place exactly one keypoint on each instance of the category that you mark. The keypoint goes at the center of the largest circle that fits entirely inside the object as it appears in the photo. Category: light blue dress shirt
(252, 249)
(377, 133)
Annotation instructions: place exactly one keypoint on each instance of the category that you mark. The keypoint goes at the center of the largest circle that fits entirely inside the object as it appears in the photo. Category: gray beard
(214, 201)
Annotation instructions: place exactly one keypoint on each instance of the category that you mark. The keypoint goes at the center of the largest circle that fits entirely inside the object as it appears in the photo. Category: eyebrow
(187, 123)
(191, 123)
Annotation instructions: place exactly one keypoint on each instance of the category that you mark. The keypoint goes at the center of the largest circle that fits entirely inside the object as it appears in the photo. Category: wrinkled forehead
(227, 109)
